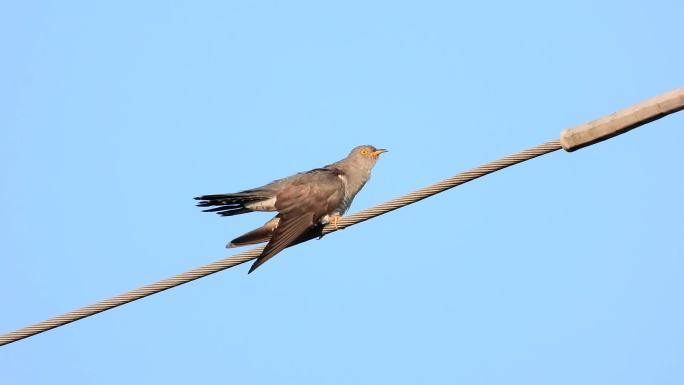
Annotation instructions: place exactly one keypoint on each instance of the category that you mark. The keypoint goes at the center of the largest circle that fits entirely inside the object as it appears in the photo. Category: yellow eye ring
(365, 151)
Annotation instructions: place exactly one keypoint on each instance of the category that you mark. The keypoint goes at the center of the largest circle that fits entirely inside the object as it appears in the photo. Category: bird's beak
(377, 152)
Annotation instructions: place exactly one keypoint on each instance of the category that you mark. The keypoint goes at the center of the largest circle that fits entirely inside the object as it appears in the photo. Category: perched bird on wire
(303, 201)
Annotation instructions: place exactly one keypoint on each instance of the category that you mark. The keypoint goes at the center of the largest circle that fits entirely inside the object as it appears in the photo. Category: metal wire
(245, 256)
(444, 185)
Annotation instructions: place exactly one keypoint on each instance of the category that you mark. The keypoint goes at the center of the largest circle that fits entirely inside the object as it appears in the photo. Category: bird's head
(358, 164)
(366, 153)
(361, 158)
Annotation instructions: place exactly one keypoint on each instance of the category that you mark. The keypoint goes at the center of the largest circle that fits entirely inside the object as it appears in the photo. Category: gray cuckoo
(303, 201)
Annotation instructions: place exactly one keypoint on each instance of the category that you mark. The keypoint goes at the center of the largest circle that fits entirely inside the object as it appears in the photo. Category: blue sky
(565, 269)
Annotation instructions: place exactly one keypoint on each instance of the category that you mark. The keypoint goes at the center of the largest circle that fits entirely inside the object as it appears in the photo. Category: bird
(303, 201)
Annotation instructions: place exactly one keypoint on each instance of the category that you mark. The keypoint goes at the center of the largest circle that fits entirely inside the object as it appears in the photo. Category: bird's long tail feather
(231, 204)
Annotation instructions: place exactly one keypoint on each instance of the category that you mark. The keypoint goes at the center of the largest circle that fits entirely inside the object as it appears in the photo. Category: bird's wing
(289, 229)
(302, 203)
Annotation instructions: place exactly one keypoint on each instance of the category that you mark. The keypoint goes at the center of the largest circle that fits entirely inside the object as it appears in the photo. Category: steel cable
(245, 256)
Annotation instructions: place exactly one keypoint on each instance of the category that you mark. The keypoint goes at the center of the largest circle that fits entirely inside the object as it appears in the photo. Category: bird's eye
(365, 151)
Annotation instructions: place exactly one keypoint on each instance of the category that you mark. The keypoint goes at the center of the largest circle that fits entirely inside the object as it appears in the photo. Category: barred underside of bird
(303, 201)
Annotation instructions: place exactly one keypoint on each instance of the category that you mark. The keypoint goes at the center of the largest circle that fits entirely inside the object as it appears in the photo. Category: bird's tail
(260, 235)
(234, 204)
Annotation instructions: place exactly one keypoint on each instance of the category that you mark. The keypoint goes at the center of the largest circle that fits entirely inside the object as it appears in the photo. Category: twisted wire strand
(248, 255)
(443, 185)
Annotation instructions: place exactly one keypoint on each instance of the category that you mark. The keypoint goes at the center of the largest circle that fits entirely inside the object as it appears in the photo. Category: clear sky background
(563, 270)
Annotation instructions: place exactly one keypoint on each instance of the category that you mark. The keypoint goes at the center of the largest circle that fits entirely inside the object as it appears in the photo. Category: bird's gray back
(319, 190)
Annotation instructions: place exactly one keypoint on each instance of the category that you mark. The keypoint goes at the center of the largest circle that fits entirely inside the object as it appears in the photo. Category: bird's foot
(333, 221)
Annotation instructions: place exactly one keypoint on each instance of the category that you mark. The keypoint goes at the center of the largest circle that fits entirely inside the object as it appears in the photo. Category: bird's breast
(351, 188)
